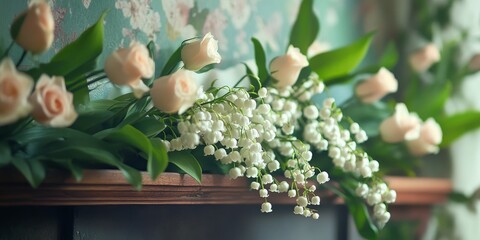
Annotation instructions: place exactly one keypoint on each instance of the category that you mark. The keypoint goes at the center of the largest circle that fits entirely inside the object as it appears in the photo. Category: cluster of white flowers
(325, 129)
(242, 133)
(281, 128)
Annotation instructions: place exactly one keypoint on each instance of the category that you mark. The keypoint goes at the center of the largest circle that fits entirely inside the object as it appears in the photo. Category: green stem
(88, 83)
(21, 58)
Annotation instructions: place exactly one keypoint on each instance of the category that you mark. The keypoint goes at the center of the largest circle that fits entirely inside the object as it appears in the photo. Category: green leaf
(306, 27)
(362, 220)
(91, 119)
(428, 101)
(131, 136)
(32, 169)
(341, 61)
(390, 56)
(455, 126)
(17, 25)
(260, 60)
(186, 162)
(80, 152)
(5, 154)
(173, 61)
(254, 80)
(160, 160)
(369, 116)
(150, 126)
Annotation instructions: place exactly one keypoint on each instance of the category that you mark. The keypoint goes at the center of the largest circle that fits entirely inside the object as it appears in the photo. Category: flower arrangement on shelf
(272, 132)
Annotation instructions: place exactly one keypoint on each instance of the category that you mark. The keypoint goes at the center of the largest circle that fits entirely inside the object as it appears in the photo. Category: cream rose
(127, 66)
(377, 86)
(37, 30)
(285, 69)
(427, 142)
(174, 93)
(200, 53)
(52, 103)
(423, 58)
(401, 126)
(474, 63)
(15, 87)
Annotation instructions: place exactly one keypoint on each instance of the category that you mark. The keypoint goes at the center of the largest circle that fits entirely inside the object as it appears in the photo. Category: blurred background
(447, 87)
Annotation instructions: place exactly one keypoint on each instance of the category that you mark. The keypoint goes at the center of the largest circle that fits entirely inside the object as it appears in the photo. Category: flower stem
(21, 58)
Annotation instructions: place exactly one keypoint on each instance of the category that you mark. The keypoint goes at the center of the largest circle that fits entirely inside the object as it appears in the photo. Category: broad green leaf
(254, 80)
(16, 25)
(76, 170)
(31, 169)
(306, 27)
(5, 154)
(369, 116)
(455, 126)
(80, 152)
(160, 162)
(428, 101)
(186, 162)
(91, 120)
(172, 62)
(389, 57)
(133, 137)
(341, 61)
(260, 60)
(150, 126)
(362, 220)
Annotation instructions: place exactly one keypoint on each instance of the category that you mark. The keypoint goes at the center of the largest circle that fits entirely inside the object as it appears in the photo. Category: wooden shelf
(108, 187)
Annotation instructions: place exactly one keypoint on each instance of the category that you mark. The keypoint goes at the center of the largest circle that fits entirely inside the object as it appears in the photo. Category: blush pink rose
(127, 66)
(430, 136)
(174, 93)
(200, 53)
(15, 87)
(423, 58)
(286, 69)
(37, 31)
(52, 103)
(377, 86)
(401, 126)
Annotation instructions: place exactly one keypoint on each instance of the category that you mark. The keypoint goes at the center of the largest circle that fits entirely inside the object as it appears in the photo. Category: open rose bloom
(127, 66)
(377, 86)
(401, 126)
(15, 87)
(286, 69)
(52, 103)
(174, 93)
(430, 137)
(423, 58)
(37, 30)
(200, 53)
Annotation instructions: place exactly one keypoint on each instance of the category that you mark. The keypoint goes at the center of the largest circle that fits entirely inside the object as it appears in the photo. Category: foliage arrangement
(273, 132)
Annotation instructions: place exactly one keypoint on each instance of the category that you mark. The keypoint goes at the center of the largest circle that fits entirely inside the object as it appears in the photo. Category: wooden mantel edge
(107, 187)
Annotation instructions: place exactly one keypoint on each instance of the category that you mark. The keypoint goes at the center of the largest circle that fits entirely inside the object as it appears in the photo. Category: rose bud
(15, 87)
(286, 69)
(52, 103)
(173, 93)
(430, 137)
(423, 58)
(200, 53)
(474, 63)
(401, 126)
(127, 66)
(37, 30)
(377, 86)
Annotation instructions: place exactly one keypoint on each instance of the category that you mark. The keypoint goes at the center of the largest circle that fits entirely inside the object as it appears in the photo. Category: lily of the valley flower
(401, 126)
(377, 86)
(127, 66)
(200, 53)
(175, 92)
(15, 87)
(286, 69)
(52, 103)
(37, 30)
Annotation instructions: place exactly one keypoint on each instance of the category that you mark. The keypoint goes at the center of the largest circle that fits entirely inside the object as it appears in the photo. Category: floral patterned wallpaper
(168, 22)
